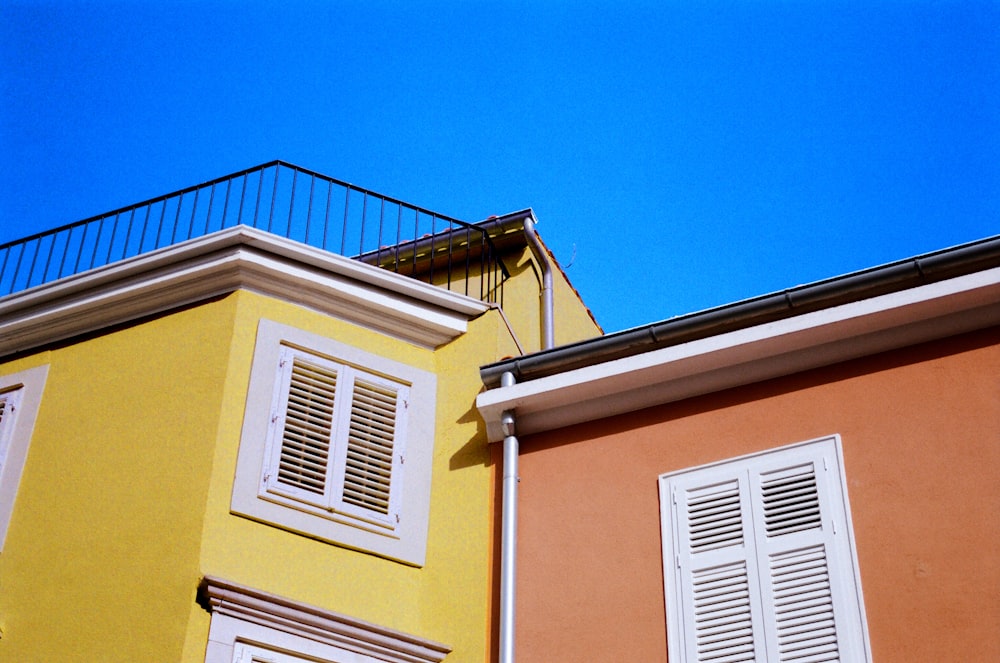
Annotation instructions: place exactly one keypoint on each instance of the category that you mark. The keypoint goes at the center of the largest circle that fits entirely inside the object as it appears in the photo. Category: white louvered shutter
(715, 568)
(371, 454)
(811, 603)
(764, 567)
(336, 437)
(302, 428)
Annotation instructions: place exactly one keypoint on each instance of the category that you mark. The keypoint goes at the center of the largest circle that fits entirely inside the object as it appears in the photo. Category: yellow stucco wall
(447, 599)
(523, 306)
(103, 548)
(124, 503)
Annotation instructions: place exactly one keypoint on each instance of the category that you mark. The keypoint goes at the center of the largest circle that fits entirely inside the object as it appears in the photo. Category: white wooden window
(20, 397)
(336, 438)
(337, 444)
(759, 560)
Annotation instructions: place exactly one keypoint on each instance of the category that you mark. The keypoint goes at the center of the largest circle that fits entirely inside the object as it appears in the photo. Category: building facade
(229, 443)
(804, 476)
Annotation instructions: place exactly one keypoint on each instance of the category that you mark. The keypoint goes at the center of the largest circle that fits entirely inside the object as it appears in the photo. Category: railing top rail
(279, 197)
(226, 178)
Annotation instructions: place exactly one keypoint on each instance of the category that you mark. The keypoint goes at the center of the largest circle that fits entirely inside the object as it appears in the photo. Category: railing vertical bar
(159, 226)
(364, 218)
(468, 258)
(34, 259)
(17, 267)
(486, 275)
(274, 197)
(93, 254)
(52, 250)
(194, 211)
(177, 219)
(243, 195)
(430, 271)
(111, 243)
(378, 241)
(399, 234)
(79, 253)
(208, 217)
(225, 202)
(145, 222)
(3, 267)
(416, 235)
(451, 244)
(62, 263)
(309, 208)
(326, 214)
(260, 186)
(343, 231)
(128, 233)
(291, 203)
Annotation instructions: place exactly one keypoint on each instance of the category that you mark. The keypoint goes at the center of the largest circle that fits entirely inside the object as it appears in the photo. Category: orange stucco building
(811, 473)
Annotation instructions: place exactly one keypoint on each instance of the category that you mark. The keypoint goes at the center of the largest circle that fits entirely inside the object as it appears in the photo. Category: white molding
(251, 607)
(220, 263)
(15, 435)
(745, 356)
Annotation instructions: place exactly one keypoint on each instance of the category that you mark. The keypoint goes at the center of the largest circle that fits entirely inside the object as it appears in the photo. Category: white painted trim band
(223, 597)
(220, 263)
(745, 356)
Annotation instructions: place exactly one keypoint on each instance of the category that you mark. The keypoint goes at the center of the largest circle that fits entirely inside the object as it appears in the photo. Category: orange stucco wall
(920, 429)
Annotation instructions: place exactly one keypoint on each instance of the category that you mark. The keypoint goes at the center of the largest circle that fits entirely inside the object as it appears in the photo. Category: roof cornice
(746, 355)
(220, 263)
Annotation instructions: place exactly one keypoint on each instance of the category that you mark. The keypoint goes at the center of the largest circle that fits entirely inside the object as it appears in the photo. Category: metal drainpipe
(548, 308)
(508, 536)
(508, 527)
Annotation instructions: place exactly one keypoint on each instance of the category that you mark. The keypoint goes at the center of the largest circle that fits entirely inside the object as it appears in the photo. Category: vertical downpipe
(508, 536)
(548, 308)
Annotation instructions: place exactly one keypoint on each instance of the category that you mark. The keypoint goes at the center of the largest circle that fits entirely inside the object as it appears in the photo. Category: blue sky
(678, 155)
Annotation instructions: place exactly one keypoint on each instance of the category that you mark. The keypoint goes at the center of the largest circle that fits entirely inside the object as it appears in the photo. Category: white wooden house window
(20, 397)
(759, 560)
(337, 444)
(336, 439)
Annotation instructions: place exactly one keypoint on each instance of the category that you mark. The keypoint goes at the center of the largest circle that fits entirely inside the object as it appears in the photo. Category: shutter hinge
(402, 459)
(826, 468)
(397, 518)
(677, 560)
(674, 495)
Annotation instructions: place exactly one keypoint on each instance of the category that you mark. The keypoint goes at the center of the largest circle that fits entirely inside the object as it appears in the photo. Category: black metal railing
(282, 199)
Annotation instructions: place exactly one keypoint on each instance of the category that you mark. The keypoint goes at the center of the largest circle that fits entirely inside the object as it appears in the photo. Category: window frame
(741, 549)
(401, 532)
(23, 391)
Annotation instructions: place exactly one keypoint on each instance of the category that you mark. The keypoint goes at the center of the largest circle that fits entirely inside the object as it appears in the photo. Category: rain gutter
(885, 279)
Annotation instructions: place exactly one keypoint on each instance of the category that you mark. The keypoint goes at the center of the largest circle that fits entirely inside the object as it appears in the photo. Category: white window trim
(833, 537)
(24, 391)
(402, 534)
(245, 618)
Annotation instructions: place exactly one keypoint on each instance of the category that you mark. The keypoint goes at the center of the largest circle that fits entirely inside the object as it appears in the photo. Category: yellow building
(223, 440)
